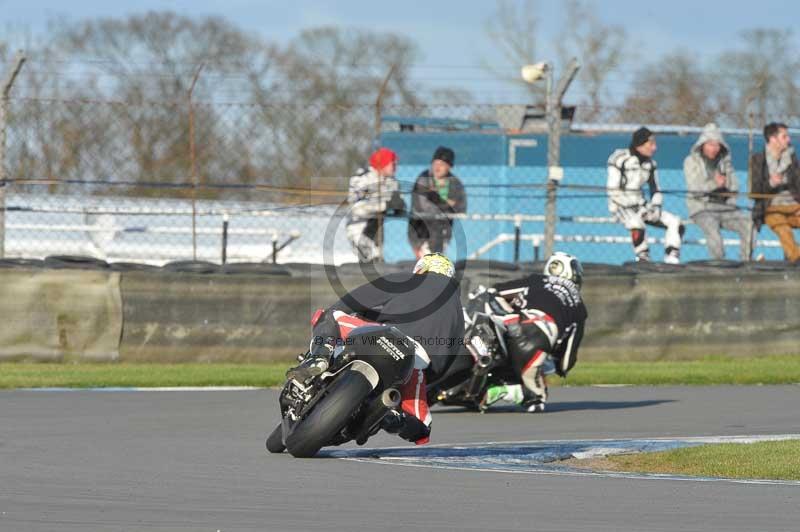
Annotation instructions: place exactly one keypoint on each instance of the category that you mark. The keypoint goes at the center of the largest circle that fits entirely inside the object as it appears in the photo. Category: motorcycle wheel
(329, 415)
(275, 440)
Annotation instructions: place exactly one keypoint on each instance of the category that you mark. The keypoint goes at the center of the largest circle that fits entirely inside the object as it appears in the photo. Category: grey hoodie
(700, 172)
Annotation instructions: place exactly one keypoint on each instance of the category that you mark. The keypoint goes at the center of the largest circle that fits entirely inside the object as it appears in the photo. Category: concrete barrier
(137, 316)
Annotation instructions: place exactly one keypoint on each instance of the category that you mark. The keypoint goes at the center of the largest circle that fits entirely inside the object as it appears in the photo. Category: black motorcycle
(484, 363)
(350, 400)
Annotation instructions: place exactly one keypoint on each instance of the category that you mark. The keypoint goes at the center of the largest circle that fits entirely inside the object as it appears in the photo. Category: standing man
(775, 180)
(372, 193)
(712, 188)
(628, 171)
(436, 193)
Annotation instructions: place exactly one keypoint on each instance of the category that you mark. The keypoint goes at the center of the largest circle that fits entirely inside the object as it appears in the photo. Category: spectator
(436, 193)
(628, 171)
(372, 193)
(712, 188)
(775, 184)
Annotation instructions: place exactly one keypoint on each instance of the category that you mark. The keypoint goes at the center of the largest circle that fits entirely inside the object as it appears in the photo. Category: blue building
(505, 173)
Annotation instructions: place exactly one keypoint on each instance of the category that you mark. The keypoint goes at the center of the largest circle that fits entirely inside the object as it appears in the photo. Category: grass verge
(775, 460)
(109, 375)
(708, 371)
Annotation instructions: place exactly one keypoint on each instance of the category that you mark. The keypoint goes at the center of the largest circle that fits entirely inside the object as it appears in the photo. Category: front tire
(329, 416)
(275, 440)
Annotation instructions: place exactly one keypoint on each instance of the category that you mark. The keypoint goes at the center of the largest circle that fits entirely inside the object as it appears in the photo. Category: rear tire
(275, 440)
(329, 415)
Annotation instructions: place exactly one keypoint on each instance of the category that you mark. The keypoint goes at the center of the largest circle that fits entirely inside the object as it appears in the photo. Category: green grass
(708, 371)
(778, 460)
(104, 375)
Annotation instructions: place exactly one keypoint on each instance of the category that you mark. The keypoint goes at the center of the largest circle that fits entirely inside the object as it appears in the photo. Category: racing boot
(534, 404)
(535, 389)
(316, 363)
(510, 394)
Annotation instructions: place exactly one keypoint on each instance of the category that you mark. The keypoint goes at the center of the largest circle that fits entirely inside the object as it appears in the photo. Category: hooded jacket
(699, 172)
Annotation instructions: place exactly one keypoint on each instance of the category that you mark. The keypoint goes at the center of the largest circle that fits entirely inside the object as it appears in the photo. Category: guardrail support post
(19, 59)
(224, 238)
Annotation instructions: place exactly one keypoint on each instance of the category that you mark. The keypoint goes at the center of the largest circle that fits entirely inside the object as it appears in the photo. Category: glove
(653, 212)
(322, 347)
(433, 196)
(397, 205)
(718, 195)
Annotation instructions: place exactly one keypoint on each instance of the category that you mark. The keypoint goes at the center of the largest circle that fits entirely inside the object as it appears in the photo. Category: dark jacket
(426, 223)
(759, 184)
(425, 307)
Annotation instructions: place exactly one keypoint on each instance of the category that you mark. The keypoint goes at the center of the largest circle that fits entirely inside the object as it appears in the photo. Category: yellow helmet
(435, 263)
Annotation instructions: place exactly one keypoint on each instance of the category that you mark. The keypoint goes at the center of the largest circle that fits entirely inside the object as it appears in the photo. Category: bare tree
(762, 76)
(672, 91)
(513, 28)
(598, 46)
(329, 79)
(108, 100)
(147, 63)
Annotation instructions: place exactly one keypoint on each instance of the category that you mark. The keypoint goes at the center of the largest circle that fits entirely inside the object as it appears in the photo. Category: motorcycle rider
(425, 306)
(544, 318)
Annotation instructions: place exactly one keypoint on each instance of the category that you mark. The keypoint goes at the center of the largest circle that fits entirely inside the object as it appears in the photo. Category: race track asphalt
(190, 460)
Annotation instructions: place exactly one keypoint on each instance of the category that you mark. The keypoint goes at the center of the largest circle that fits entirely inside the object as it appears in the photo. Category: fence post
(19, 59)
(554, 170)
(193, 162)
(378, 112)
(224, 238)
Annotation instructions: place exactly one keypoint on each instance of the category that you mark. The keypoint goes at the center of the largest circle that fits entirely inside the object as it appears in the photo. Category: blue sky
(448, 32)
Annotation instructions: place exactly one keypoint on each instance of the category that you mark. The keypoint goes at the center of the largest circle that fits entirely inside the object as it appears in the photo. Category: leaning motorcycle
(350, 400)
(486, 362)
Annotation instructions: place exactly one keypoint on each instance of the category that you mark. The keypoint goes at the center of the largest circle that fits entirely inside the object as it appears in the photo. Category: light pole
(531, 74)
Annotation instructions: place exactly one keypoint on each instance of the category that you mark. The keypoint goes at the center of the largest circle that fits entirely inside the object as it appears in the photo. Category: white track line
(416, 457)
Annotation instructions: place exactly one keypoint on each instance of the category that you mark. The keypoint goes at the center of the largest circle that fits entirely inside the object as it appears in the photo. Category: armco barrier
(637, 312)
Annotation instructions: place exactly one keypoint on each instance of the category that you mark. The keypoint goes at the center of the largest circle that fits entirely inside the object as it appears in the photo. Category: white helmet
(564, 265)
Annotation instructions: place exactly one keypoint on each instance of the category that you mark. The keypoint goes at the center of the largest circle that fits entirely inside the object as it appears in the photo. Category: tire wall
(140, 316)
(60, 314)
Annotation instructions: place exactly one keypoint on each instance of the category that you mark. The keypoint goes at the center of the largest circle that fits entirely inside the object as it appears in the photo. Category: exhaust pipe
(391, 398)
(480, 370)
(376, 411)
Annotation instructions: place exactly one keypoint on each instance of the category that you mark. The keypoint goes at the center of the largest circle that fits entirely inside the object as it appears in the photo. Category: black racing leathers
(541, 297)
(425, 307)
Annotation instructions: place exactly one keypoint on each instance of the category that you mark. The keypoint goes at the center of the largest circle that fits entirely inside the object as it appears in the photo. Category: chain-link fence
(266, 181)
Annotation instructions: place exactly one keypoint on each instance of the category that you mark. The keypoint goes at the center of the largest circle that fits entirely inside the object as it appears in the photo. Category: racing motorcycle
(486, 363)
(350, 400)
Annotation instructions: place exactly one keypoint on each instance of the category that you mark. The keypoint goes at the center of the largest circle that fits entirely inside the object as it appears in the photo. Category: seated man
(424, 305)
(775, 186)
(371, 195)
(436, 194)
(629, 170)
(712, 188)
(544, 317)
